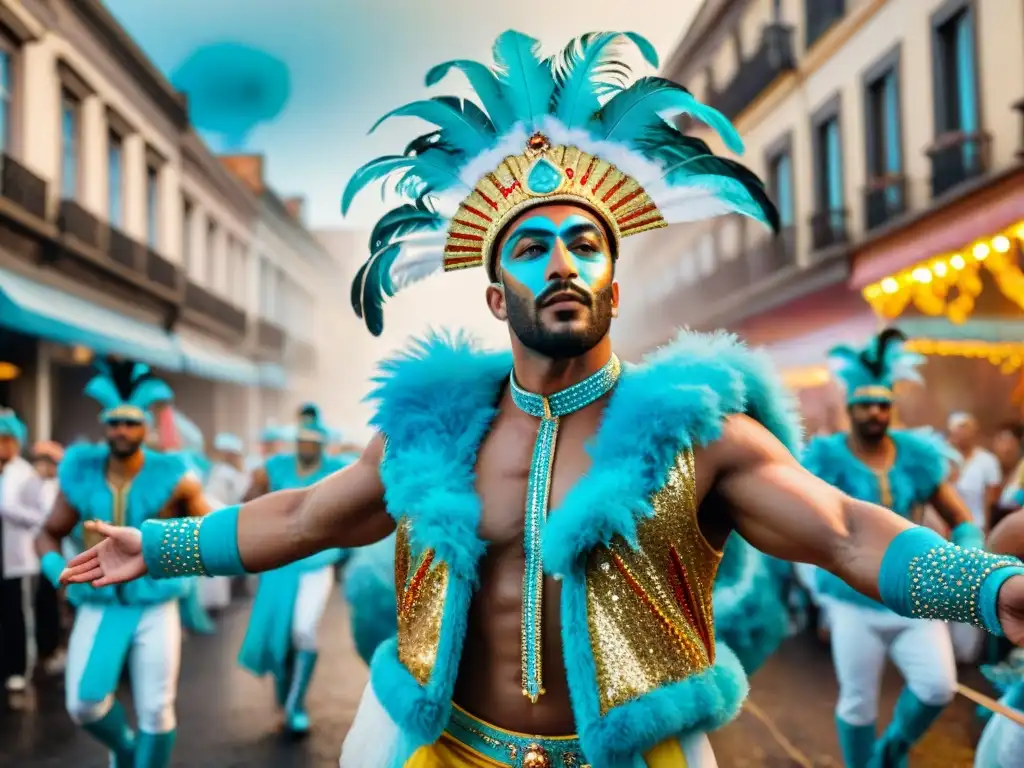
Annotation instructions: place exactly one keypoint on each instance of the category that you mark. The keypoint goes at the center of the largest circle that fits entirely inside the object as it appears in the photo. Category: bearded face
(556, 272)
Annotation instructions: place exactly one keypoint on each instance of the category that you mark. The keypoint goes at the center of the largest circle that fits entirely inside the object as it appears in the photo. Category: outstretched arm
(345, 509)
(259, 485)
(189, 499)
(784, 510)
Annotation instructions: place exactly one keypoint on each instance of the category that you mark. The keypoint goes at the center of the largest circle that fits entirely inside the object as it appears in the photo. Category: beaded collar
(548, 409)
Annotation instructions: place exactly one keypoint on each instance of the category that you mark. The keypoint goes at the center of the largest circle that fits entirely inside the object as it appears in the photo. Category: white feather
(418, 259)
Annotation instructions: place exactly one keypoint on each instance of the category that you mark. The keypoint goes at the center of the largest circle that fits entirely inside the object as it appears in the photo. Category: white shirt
(978, 472)
(21, 515)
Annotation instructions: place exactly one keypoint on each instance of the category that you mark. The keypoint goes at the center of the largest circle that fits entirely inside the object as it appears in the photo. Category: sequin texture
(945, 583)
(179, 548)
(421, 599)
(649, 611)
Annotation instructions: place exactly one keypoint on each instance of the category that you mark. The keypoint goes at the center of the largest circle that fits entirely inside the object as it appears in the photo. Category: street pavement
(227, 718)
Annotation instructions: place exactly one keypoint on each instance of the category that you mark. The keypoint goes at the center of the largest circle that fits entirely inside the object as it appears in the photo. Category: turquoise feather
(375, 170)
(635, 110)
(526, 79)
(403, 221)
(581, 70)
(102, 390)
(486, 85)
(462, 126)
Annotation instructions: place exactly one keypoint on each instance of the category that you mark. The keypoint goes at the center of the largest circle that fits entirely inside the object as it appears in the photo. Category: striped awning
(35, 309)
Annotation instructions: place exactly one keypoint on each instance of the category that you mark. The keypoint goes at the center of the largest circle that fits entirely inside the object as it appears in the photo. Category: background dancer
(121, 482)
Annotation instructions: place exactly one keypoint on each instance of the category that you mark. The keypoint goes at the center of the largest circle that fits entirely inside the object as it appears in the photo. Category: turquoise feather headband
(311, 428)
(12, 426)
(126, 390)
(868, 374)
(566, 128)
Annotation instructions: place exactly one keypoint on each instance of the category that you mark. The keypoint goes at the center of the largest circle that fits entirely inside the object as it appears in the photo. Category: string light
(950, 284)
(1009, 356)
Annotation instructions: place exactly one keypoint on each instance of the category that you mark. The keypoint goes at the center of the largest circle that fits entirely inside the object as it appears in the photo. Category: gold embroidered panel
(649, 611)
(422, 585)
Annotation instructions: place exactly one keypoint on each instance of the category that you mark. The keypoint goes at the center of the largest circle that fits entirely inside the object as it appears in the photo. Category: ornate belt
(516, 750)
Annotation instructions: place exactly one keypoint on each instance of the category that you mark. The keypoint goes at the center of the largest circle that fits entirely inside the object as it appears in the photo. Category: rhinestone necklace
(538, 490)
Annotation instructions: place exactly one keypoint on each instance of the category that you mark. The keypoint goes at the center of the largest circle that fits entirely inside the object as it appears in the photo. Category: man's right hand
(115, 560)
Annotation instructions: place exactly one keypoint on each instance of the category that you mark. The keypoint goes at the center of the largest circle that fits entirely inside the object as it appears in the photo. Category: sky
(352, 61)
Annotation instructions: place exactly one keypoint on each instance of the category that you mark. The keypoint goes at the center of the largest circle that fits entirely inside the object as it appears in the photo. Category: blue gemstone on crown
(544, 177)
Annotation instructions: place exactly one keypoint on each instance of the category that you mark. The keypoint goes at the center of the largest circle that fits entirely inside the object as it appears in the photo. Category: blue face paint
(529, 248)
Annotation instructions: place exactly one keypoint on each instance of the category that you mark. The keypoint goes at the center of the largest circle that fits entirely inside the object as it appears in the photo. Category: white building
(120, 233)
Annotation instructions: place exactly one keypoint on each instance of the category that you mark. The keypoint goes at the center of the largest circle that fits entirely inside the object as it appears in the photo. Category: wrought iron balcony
(773, 57)
(819, 15)
(74, 220)
(200, 300)
(828, 228)
(22, 187)
(957, 157)
(269, 336)
(885, 198)
(160, 271)
(125, 251)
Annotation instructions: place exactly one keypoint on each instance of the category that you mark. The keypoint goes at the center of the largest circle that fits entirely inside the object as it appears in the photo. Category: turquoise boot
(857, 742)
(113, 732)
(154, 749)
(296, 718)
(910, 720)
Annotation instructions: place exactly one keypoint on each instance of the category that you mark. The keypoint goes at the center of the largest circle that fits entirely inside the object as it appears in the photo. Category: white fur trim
(373, 737)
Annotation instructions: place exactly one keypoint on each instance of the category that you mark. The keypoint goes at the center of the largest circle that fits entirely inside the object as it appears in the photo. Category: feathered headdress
(228, 443)
(310, 428)
(126, 390)
(869, 374)
(12, 426)
(562, 129)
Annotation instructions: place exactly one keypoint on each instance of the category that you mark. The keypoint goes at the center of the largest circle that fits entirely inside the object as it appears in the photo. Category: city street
(227, 719)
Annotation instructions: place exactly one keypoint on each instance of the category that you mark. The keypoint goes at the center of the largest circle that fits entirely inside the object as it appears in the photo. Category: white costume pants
(153, 663)
(862, 638)
(968, 642)
(310, 604)
(373, 737)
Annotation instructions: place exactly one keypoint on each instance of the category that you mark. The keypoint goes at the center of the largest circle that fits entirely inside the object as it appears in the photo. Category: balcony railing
(957, 157)
(828, 228)
(885, 198)
(74, 220)
(22, 187)
(773, 57)
(160, 271)
(125, 251)
(819, 16)
(202, 301)
(269, 336)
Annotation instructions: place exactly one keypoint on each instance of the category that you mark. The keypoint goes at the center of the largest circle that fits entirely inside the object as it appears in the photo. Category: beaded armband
(193, 546)
(925, 577)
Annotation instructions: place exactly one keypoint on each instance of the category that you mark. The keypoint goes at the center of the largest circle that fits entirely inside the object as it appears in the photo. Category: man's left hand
(1011, 609)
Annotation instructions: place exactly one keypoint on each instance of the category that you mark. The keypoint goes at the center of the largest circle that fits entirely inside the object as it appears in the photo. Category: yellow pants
(448, 752)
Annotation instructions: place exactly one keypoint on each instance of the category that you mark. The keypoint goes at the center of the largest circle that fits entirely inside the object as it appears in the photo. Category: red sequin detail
(475, 212)
(464, 223)
(569, 172)
(686, 600)
(412, 591)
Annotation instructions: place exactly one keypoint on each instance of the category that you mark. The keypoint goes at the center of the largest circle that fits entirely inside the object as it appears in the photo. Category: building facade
(120, 233)
(889, 133)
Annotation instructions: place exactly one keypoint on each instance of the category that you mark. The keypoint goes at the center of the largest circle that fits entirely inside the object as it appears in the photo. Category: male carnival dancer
(282, 636)
(902, 470)
(602, 587)
(120, 482)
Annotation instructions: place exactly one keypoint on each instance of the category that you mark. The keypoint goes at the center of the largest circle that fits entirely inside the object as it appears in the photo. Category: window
(6, 98)
(780, 185)
(69, 136)
(819, 16)
(883, 126)
(115, 179)
(188, 215)
(954, 71)
(211, 254)
(152, 206)
(829, 187)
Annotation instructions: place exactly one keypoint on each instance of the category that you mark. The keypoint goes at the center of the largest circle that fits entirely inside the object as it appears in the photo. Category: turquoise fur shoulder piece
(922, 463)
(283, 471)
(82, 478)
(436, 402)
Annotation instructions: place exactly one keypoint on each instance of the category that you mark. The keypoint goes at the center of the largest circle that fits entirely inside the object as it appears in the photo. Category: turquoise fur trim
(988, 600)
(370, 592)
(921, 465)
(968, 535)
(436, 403)
(750, 612)
(82, 477)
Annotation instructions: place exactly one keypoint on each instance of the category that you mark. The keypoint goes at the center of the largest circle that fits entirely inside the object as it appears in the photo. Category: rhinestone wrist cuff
(193, 546)
(925, 577)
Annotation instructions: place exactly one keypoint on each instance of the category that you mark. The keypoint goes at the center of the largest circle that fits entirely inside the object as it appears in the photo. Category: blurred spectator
(1007, 446)
(46, 457)
(21, 514)
(227, 481)
(979, 479)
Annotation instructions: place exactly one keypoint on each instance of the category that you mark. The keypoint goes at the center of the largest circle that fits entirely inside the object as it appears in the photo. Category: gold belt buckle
(536, 757)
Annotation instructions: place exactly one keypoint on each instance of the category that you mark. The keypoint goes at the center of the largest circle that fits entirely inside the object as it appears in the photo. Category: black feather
(873, 357)
(122, 375)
